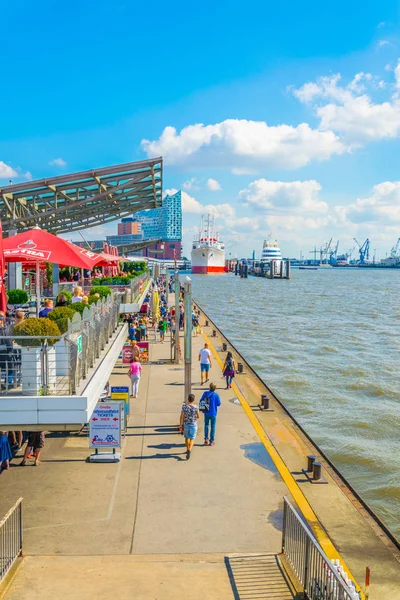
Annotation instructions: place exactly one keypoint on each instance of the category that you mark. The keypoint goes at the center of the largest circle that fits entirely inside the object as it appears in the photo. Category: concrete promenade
(153, 526)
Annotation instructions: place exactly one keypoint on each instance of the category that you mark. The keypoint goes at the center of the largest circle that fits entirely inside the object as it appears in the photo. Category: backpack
(204, 404)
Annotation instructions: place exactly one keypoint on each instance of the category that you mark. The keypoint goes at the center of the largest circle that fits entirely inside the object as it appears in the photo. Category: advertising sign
(105, 425)
(143, 356)
(126, 354)
(121, 393)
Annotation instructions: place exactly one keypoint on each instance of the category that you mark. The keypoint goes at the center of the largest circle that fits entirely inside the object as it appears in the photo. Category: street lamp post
(188, 336)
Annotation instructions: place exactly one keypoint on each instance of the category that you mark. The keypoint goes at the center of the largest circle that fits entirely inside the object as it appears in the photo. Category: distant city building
(96, 245)
(164, 222)
(129, 226)
(120, 240)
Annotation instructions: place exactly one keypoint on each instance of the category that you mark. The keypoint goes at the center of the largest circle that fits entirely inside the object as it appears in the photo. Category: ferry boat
(270, 252)
(208, 252)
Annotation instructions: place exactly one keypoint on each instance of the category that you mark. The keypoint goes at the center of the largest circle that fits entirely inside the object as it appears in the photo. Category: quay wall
(340, 478)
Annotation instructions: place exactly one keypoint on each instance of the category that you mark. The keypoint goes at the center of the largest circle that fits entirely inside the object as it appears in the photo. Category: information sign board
(79, 344)
(121, 393)
(105, 425)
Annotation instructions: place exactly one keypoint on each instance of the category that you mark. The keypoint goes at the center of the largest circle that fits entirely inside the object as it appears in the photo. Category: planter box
(62, 348)
(31, 370)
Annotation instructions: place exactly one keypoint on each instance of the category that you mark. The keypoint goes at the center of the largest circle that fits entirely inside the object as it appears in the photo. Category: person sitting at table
(48, 307)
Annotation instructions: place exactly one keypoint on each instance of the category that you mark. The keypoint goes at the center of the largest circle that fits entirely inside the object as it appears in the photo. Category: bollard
(206, 323)
(264, 401)
(317, 468)
(214, 333)
(224, 347)
(240, 367)
(310, 462)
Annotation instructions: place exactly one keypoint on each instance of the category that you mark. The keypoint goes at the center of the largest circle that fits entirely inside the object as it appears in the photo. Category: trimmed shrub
(68, 296)
(77, 307)
(102, 290)
(60, 315)
(17, 296)
(37, 326)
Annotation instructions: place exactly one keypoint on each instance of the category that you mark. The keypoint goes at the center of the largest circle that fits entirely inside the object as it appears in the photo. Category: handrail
(320, 579)
(10, 538)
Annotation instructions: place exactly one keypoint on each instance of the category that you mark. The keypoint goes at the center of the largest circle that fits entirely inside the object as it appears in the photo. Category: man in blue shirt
(210, 416)
(48, 307)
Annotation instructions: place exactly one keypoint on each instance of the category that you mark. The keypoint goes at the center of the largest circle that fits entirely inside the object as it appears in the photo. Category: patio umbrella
(3, 295)
(39, 246)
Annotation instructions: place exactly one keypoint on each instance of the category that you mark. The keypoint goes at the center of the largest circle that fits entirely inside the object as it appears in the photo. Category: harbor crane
(333, 254)
(395, 250)
(324, 251)
(363, 250)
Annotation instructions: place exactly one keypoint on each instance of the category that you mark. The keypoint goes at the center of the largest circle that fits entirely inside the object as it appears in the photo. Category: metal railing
(320, 579)
(10, 538)
(43, 366)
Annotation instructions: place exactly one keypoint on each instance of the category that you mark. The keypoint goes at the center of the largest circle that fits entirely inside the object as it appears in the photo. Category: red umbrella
(3, 296)
(36, 245)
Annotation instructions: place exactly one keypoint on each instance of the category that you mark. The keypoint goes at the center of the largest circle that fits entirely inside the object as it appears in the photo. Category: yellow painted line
(323, 539)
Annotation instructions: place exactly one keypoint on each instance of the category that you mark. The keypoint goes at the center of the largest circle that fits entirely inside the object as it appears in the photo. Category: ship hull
(208, 260)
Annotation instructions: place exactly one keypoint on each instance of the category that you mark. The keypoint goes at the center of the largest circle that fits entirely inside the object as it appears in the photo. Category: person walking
(188, 423)
(229, 369)
(208, 405)
(35, 444)
(5, 452)
(135, 370)
(205, 363)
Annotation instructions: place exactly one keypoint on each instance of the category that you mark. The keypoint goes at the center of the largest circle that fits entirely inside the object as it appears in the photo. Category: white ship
(208, 253)
(270, 252)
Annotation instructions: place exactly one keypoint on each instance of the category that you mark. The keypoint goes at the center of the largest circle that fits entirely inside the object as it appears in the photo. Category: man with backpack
(208, 405)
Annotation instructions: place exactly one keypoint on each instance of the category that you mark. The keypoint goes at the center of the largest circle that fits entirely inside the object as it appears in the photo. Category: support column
(188, 337)
(177, 314)
(56, 280)
(14, 270)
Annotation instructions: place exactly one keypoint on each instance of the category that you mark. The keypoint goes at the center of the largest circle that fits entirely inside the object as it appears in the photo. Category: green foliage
(119, 279)
(17, 296)
(68, 296)
(102, 290)
(60, 315)
(49, 273)
(34, 327)
(135, 268)
(78, 307)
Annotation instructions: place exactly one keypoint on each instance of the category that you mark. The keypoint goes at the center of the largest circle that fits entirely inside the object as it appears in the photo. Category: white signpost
(105, 432)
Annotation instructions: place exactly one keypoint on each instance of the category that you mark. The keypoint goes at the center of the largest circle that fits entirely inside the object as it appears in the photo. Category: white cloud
(397, 74)
(28, 176)
(191, 184)
(6, 172)
(284, 197)
(382, 43)
(382, 207)
(58, 162)
(190, 204)
(350, 112)
(213, 185)
(245, 145)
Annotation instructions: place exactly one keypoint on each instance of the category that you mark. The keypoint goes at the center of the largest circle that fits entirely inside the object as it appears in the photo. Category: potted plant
(31, 348)
(17, 297)
(60, 315)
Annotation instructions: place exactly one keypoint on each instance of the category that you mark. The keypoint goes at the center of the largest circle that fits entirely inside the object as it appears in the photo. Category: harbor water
(327, 342)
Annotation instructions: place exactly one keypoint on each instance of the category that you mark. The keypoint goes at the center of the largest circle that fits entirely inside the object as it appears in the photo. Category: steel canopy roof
(82, 200)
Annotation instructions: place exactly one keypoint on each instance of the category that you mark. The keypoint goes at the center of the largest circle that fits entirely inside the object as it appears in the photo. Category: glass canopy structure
(82, 200)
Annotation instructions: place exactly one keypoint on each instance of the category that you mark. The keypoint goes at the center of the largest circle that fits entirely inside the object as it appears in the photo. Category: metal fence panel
(319, 578)
(10, 538)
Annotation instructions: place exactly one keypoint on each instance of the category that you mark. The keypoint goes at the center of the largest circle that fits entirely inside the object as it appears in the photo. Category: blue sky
(286, 118)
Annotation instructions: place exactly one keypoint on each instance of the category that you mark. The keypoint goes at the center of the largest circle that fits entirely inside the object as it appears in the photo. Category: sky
(281, 120)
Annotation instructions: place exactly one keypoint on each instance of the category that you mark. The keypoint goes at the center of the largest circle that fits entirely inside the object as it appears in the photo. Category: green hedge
(60, 315)
(37, 326)
(102, 290)
(17, 296)
(68, 296)
(77, 307)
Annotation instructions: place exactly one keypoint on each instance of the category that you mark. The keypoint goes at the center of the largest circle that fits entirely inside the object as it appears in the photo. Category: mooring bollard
(265, 401)
(317, 469)
(214, 334)
(240, 367)
(206, 323)
(224, 346)
(310, 462)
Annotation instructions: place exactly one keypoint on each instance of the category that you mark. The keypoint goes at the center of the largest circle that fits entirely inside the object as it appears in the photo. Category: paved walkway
(205, 528)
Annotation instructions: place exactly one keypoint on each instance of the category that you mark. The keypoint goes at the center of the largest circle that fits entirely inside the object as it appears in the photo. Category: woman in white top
(77, 297)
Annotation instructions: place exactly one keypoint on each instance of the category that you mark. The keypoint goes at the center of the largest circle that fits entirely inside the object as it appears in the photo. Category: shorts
(190, 432)
(204, 367)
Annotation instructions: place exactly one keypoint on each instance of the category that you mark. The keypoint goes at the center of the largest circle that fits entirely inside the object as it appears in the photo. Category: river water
(327, 343)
